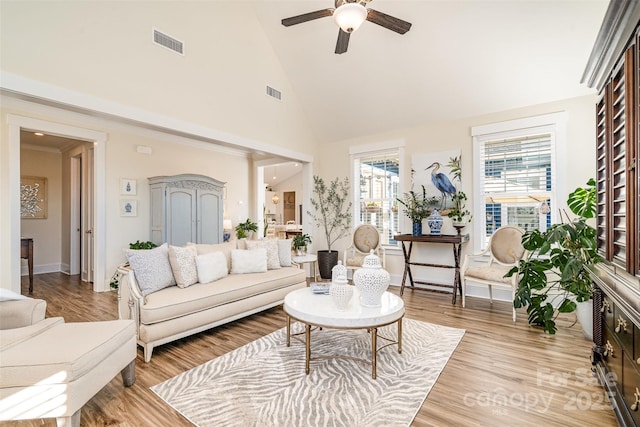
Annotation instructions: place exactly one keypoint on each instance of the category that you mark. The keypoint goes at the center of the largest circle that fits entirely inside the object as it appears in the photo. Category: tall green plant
(554, 272)
(331, 208)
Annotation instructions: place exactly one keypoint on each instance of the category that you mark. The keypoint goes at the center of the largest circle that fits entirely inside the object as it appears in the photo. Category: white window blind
(514, 177)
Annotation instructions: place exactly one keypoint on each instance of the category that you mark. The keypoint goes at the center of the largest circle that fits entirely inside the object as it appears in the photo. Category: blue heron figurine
(442, 182)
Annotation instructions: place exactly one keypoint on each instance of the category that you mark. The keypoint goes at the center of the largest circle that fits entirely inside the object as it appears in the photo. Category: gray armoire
(186, 208)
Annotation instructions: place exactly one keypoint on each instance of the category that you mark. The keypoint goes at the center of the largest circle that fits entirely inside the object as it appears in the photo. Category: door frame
(17, 123)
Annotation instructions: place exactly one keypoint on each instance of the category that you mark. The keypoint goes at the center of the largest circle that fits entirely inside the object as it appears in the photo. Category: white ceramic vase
(371, 281)
(340, 290)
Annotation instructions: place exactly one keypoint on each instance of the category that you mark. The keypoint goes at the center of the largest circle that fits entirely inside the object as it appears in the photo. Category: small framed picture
(128, 186)
(128, 207)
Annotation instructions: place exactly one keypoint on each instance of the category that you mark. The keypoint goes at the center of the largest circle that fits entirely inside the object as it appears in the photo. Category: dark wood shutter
(617, 150)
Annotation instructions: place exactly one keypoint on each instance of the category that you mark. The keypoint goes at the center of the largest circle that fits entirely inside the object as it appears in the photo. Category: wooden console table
(26, 251)
(455, 240)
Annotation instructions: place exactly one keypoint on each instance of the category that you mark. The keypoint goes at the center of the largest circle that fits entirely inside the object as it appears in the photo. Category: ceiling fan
(349, 14)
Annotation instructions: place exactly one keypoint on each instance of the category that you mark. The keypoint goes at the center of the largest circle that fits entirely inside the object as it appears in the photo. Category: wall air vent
(168, 42)
(274, 93)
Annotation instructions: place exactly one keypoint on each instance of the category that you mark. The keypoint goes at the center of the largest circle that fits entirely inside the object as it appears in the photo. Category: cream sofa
(49, 368)
(175, 312)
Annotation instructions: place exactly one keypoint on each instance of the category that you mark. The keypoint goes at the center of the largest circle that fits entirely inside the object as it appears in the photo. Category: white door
(75, 219)
(87, 214)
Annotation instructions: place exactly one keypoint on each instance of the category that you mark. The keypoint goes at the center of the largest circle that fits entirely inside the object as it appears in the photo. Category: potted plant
(459, 214)
(554, 272)
(243, 229)
(331, 212)
(373, 207)
(300, 242)
(417, 207)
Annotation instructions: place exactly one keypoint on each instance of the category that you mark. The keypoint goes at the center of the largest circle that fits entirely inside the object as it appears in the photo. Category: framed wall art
(128, 207)
(33, 197)
(128, 187)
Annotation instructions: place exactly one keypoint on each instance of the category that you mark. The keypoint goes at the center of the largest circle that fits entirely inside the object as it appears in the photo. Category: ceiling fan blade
(343, 41)
(287, 22)
(387, 21)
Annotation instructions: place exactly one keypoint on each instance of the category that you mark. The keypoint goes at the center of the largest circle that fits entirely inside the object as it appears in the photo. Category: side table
(312, 259)
(455, 240)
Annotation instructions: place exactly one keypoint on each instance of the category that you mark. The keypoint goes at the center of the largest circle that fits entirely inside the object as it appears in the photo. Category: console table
(455, 240)
(26, 252)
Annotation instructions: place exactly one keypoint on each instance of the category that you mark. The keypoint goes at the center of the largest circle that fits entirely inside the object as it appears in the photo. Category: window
(515, 176)
(376, 178)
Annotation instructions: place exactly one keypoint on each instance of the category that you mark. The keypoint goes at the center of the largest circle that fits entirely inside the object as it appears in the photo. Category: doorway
(97, 142)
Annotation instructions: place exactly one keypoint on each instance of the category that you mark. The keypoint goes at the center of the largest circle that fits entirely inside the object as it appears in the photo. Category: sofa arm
(23, 312)
(130, 298)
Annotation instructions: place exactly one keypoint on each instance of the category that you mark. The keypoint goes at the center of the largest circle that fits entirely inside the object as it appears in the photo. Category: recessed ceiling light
(38, 134)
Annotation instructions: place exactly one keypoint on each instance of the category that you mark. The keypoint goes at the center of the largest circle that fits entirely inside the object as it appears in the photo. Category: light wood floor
(501, 374)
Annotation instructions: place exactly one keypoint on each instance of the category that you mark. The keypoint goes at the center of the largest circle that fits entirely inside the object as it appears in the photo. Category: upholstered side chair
(365, 238)
(503, 252)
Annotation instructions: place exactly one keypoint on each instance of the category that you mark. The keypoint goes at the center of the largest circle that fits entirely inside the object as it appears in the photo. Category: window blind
(517, 181)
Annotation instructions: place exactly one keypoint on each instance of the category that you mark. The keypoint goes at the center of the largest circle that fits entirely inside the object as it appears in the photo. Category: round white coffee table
(319, 310)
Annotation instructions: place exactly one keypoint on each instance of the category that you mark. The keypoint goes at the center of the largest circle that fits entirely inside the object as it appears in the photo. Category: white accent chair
(365, 238)
(503, 252)
(50, 369)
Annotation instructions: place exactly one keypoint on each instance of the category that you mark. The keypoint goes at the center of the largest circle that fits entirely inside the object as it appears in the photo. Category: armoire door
(181, 216)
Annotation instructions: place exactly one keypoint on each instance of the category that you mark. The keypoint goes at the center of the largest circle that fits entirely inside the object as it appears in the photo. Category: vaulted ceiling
(461, 58)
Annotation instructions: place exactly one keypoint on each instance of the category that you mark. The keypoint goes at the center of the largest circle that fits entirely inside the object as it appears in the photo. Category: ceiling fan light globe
(350, 16)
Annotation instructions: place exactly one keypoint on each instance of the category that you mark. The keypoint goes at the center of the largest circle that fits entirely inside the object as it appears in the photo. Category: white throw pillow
(225, 248)
(183, 265)
(271, 245)
(8, 295)
(151, 268)
(248, 261)
(211, 267)
(284, 252)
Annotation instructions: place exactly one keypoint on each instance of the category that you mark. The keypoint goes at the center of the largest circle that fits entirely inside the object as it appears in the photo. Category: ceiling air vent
(274, 93)
(168, 42)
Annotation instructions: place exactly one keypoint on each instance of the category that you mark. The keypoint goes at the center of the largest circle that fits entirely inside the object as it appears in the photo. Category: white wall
(578, 165)
(46, 232)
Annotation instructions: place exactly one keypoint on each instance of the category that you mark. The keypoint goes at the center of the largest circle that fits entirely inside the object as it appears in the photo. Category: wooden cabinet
(186, 208)
(615, 71)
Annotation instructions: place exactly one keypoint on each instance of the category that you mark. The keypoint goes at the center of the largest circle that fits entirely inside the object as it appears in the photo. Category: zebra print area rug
(263, 383)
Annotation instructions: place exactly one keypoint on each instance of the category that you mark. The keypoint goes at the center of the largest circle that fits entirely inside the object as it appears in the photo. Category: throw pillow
(183, 265)
(271, 245)
(284, 252)
(8, 295)
(211, 267)
(248, 261)
(225, 248)
(151, 268)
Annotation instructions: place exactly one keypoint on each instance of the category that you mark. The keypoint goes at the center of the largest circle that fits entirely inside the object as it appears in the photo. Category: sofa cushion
(248, 261)
(211, 267)
(152, 268)
(10, 337)
(183, 265)
(271, 246)
(64, 352)
(495, 273)
(174, 302)
(284, 252)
